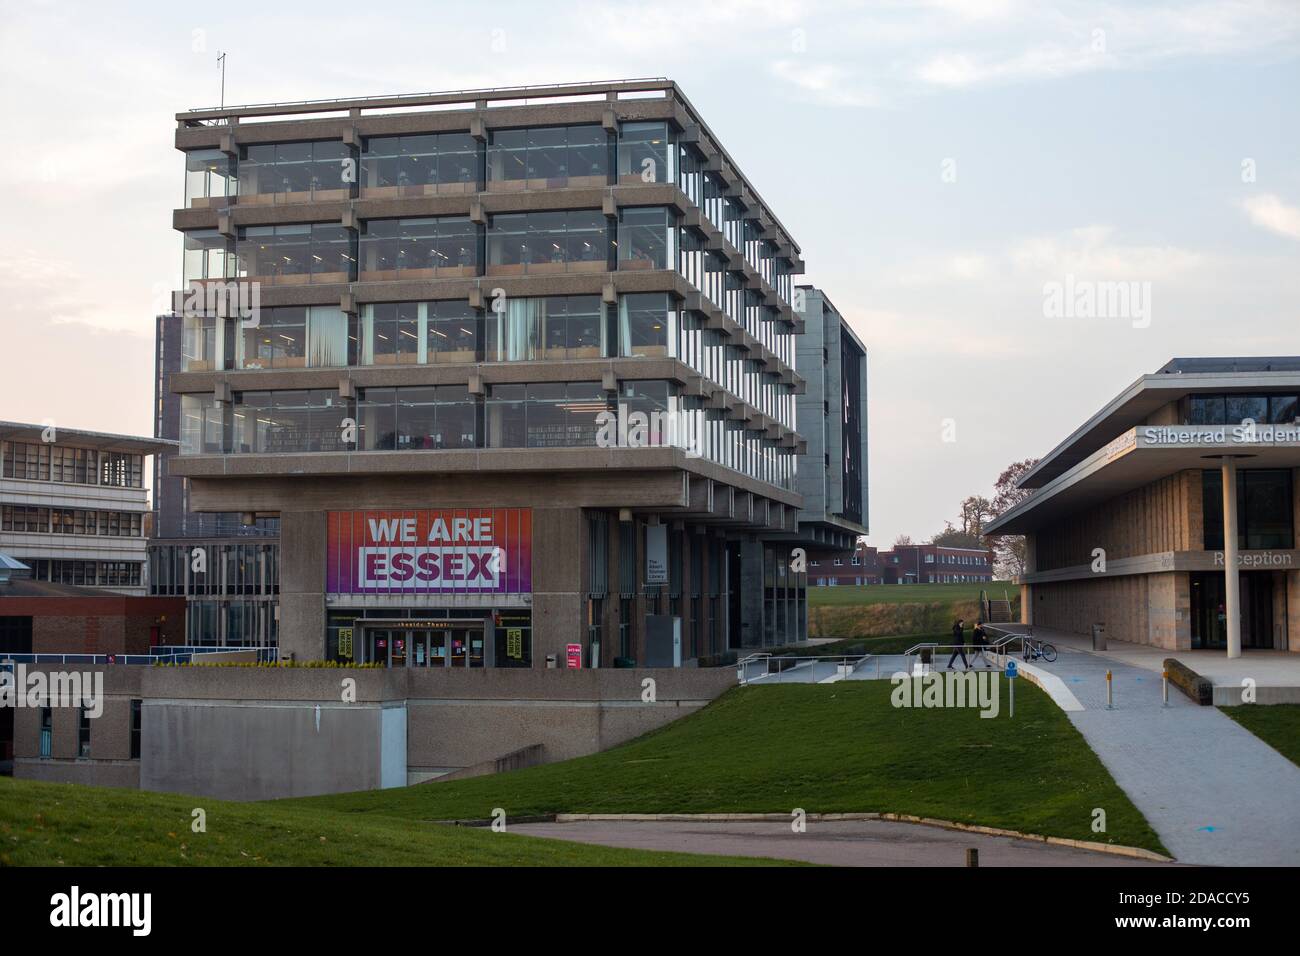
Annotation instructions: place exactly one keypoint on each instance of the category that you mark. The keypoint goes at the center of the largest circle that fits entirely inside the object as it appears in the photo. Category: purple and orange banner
(449, 551)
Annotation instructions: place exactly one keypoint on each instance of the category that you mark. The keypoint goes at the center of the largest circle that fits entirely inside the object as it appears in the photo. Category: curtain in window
(521, 329)
(327, 333)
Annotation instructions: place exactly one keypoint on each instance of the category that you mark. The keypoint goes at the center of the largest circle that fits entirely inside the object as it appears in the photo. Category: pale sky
(939, 163)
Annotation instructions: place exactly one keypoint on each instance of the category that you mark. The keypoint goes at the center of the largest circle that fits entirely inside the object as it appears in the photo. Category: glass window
(323, 171)
(201, 425)
(423, 165)
(209, 178)
(1265, 508)
(647, 413)
(288, 421)
(206, 256)
(646, 238)
(391, 334)
(202, 343)
(137, 708)
(646, 325)
(1242, 407)
(547, 157)
(548, 242)
(295, 254)
(1283, 409)
(545, 415)
(550, 327)
(645, 153)
(452, 334)
(419, 248)
(279, 340)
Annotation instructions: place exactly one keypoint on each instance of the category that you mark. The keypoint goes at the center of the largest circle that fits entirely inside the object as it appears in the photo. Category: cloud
(1270, 212)
(826, 83)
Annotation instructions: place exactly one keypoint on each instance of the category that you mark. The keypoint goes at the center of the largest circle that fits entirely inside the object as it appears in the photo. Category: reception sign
(451, 551)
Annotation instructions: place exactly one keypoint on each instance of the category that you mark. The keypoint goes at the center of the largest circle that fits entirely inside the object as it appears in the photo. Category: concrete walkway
(1216, 793)
(833, 843)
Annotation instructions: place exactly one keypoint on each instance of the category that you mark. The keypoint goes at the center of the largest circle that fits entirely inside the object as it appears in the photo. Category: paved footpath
(1216, 793)
(829, 842)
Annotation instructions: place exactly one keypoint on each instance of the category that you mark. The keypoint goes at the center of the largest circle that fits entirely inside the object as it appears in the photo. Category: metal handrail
(539, 89)
(855, 661)
(264, 654)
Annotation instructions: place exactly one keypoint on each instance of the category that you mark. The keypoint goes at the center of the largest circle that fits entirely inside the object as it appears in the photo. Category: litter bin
(1099, 637)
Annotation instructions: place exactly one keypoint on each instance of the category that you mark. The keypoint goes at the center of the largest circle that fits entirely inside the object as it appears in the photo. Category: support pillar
(1232, 576)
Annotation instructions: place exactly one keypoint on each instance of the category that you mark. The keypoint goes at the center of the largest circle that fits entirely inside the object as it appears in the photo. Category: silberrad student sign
(450, 551)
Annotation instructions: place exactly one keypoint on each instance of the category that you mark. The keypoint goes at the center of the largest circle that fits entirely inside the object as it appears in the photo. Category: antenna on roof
(221, 59)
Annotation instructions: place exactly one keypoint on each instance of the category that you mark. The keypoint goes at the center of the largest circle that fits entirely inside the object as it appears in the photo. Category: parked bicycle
(1038, 650)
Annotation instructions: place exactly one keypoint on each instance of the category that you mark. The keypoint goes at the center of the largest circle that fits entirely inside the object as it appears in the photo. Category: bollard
(972, 856)
(1109, 696)
(1164, 686)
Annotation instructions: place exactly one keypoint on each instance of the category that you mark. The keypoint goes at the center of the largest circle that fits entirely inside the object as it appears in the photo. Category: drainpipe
(1232, 578)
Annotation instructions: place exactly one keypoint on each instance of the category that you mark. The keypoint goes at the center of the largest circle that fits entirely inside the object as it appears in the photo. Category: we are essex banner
(449, 551)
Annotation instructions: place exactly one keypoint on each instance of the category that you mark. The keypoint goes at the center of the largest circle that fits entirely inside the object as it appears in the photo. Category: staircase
(997, 610)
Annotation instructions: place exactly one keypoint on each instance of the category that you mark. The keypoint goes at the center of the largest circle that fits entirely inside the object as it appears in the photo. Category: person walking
(958, 640)
(980, 639)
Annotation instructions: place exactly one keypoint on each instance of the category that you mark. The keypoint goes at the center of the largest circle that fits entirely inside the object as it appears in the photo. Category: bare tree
(975, 512)
(902, 540)
(1009, 549)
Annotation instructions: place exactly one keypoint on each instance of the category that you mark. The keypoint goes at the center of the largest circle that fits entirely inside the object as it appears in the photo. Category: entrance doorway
(456, 646)
(1209, 610)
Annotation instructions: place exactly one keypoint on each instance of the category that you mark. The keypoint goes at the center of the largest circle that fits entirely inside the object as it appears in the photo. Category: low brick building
(40, 617)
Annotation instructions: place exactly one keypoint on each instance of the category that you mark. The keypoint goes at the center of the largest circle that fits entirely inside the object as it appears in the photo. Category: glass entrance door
(465, 645)
(1209, 615)
(1257, 609)
(377, 642)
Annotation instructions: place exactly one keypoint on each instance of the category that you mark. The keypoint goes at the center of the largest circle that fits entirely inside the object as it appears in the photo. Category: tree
(902, 541)
(1009, 549)
(951, 537)
(975, 511)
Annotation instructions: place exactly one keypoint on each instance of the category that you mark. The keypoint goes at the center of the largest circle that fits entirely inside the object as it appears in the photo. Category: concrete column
(751, 593)
(1232, 577)
(302, 585)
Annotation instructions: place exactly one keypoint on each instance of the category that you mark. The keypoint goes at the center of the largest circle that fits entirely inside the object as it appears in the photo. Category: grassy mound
(823, 748)
(55, 824)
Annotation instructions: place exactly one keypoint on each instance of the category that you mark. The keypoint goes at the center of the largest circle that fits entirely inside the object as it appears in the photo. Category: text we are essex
(460, 550)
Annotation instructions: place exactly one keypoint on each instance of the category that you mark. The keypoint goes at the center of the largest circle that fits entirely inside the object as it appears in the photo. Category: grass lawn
(1278, 725)
(850, 595)
(52, 824)
(824, 748)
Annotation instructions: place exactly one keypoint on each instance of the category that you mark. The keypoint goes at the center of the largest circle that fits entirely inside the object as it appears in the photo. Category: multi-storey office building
(1170, 515)
(514, 369)
(228, 572)
(832, 418)
(73, 505)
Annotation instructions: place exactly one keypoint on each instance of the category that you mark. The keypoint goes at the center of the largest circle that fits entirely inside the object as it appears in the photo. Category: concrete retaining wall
(254, 733)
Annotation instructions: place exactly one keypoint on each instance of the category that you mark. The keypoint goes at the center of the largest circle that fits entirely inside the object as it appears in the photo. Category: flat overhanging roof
(1135, 404)
(1145, 454)
(80, 438)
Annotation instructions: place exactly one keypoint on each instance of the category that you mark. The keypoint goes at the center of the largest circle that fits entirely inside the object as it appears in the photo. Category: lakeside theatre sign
(449, 551)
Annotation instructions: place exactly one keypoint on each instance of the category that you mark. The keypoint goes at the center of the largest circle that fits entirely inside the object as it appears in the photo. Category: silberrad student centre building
(1170, 515)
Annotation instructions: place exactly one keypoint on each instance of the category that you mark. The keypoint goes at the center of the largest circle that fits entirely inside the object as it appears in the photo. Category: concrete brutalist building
(515, 371)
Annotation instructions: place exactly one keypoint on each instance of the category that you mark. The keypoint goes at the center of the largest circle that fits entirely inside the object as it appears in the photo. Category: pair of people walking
(979, 641)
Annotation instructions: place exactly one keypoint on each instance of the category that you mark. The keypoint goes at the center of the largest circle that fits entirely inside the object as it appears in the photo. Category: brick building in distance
(904, 564)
